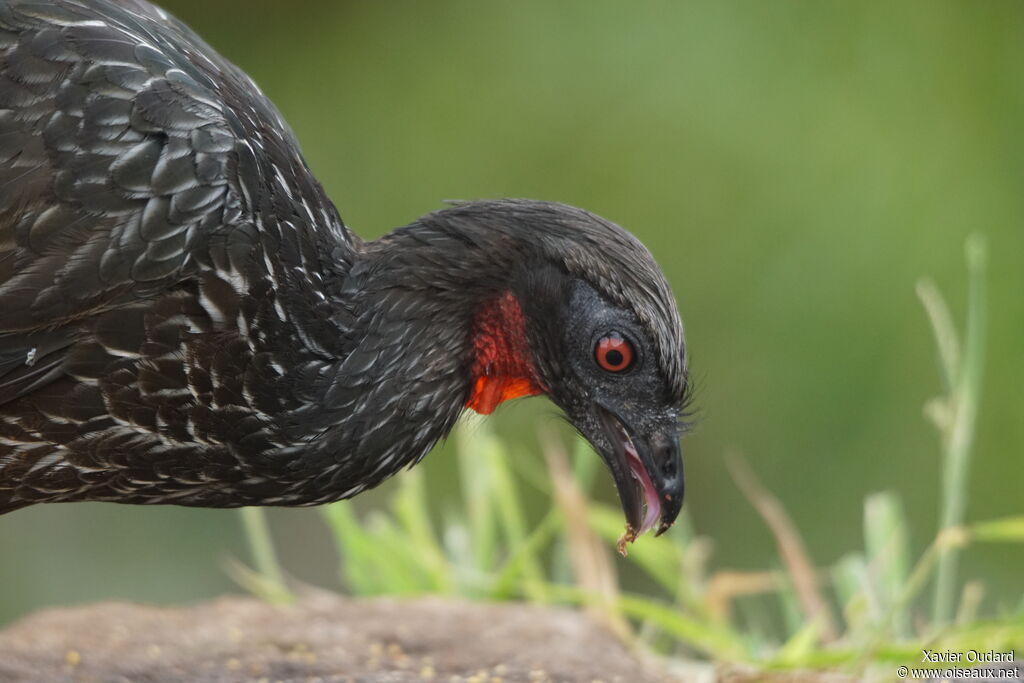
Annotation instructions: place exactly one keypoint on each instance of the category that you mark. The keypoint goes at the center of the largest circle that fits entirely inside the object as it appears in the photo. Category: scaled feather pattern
(185, 318)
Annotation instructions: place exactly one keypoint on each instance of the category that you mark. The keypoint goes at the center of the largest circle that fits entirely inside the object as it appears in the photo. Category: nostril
(668, 463)
(665, 456)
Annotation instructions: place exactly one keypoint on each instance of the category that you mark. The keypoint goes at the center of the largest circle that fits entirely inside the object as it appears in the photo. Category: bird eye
(613, 353)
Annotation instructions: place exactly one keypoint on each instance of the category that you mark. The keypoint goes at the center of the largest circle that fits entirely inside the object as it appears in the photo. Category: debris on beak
(647, 469)
(651, 502)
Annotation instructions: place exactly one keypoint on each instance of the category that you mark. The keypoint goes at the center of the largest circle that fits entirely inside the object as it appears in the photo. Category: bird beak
(648, 472)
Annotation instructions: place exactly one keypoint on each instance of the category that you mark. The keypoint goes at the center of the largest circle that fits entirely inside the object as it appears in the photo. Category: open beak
(648, 473)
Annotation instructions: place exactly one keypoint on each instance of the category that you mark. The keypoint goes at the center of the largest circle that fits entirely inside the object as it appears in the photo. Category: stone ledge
(324, 638)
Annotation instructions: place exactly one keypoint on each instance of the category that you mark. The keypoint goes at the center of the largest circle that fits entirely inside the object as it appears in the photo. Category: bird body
(185, 318)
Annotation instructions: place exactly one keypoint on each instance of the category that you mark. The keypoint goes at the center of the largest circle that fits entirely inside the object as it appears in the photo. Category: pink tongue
(650, 495)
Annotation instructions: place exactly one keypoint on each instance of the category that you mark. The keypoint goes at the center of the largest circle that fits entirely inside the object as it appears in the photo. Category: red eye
(613, 353)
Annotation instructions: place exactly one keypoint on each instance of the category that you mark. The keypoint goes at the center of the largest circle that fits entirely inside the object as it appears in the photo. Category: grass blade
(476, 452)
(413, 514)
(966, 397)
(943, 329)
(356, 548)
(791, 547)
(887, 545)
(267, 579)
(1005, 530)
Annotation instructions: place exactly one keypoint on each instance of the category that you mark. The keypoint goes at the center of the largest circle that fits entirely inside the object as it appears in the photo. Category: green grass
(868, 610)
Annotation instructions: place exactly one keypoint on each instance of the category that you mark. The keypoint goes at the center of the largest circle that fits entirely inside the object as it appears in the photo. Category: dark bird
(185, 318)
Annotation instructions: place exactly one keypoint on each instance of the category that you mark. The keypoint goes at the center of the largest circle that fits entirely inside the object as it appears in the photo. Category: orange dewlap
(502, 366)
(488, 392)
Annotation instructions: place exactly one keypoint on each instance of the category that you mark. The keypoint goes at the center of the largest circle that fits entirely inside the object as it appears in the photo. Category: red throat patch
(502, 366)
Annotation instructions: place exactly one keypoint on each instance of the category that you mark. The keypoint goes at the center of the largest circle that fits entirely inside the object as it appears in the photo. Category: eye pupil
(613, 353)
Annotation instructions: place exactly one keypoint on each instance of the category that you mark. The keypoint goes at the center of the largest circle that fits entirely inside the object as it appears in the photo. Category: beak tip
(648, 471)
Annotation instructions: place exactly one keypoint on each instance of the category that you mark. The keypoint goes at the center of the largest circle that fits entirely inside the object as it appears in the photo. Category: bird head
(584, 315)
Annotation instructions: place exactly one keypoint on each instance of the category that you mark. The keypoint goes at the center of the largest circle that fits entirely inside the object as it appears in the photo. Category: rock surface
(323, 638)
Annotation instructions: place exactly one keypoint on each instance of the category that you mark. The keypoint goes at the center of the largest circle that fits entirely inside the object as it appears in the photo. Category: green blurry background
(794, 166)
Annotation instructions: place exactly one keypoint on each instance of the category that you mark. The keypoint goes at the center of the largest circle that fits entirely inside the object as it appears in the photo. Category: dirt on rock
(324, 637)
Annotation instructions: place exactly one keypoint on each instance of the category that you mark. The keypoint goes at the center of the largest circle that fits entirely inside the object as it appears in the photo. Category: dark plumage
(185, 319)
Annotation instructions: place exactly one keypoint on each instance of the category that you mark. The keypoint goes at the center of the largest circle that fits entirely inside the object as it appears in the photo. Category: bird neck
(436, 326)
